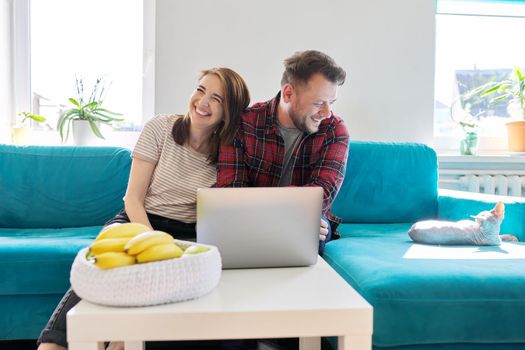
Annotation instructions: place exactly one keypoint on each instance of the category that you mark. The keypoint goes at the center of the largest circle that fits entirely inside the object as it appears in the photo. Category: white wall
(387, 48)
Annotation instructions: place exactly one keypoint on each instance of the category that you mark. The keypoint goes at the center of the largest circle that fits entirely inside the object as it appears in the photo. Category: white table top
(248, 303)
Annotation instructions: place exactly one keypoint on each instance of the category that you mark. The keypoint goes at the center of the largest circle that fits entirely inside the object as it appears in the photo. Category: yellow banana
(196, 249)
(160, 252)
(90, 256)
(129, 229)
(108, 245)
(182, 245)
(110, 260)
(144, 240)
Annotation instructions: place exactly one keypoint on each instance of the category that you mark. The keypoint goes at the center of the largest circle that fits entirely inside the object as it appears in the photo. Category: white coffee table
(304, 302)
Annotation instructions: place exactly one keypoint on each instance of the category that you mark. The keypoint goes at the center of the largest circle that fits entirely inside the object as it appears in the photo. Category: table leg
(355, 342)
(86, 346)
(310, 343)
(134, 345)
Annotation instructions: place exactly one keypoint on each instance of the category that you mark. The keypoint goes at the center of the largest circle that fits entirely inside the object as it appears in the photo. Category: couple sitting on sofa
(293, 139)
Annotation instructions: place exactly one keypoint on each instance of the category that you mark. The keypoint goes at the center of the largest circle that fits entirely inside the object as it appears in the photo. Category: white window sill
(483, 158)
(125, 139)
(487, 146)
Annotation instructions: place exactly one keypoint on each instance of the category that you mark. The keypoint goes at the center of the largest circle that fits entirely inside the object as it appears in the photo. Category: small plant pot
(516, 136)
(82, 133)
(21, 136)
(469, 144)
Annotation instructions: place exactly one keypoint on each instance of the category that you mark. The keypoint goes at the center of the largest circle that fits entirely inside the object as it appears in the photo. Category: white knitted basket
(160, 282)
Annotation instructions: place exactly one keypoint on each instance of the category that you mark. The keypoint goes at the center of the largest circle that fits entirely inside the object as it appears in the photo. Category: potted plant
(85, 115)
(514, 90)
(22, 129)
(469, 143)
(461, 114)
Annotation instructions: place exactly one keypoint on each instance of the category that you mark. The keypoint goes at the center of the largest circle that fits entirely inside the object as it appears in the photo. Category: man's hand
(324, 230)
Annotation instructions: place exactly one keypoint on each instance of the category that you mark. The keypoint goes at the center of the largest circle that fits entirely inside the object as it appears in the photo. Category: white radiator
(505, 185)
(500, 175)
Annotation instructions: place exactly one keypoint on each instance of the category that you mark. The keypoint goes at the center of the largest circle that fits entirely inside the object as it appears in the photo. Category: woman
(173, 157)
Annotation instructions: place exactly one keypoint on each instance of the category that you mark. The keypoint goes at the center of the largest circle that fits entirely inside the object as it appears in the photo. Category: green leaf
(63, 120)
(75, 102)
(491, 90)
(65, 123)
(477, 90)
(95, 129)
(68, 128)
(517, 74)
(91, 105)
(108, 117)
(499, 98)
(103, 110)
(37, 118)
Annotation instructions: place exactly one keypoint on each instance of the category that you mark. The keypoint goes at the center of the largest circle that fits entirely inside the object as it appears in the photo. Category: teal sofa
(437, 300)
(53, 201)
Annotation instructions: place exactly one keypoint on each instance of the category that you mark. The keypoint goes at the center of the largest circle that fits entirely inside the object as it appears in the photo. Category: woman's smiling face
(207, 103)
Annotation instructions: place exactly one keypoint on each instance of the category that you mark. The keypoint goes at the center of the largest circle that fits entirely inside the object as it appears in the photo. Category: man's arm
(231, 168)
(330, 169)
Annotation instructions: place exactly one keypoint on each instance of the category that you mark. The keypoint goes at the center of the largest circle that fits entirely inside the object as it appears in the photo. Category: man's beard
(301, 123)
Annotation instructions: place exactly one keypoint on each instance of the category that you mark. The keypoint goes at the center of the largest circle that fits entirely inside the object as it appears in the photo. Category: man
(293, 139)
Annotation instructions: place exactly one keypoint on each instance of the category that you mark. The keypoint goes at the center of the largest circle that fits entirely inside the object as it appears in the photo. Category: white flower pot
(82, 133)
(21, 136)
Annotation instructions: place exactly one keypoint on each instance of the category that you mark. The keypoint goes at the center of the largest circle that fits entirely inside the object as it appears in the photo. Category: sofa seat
(53, 202)
(34, 260)
(430, 301)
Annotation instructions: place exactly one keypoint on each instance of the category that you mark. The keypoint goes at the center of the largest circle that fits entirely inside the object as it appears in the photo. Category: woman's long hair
(235, 103)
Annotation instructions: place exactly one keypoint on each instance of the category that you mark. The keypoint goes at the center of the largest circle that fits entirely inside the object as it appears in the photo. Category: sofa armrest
(459, 205)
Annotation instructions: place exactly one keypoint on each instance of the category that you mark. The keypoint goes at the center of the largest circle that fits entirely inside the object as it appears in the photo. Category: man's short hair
(300, 67)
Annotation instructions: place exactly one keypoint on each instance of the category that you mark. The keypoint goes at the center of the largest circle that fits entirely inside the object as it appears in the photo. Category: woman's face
(206, 103)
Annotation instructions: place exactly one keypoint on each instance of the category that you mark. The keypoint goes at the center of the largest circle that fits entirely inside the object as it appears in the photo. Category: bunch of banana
(153, 246)
(126, 230)
(107, 251)
(131, 243)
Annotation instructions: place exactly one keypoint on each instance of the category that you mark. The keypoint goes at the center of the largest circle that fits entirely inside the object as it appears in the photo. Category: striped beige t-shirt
(178, 173)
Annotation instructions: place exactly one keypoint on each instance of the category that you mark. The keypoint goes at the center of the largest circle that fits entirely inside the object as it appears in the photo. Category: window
(476, 42)
(58, 41)
(86, 39)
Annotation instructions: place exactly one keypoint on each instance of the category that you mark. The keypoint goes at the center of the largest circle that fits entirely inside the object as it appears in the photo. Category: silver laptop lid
(261, 226)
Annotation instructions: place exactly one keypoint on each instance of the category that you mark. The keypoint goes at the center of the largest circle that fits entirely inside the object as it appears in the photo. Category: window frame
(487, 144)
(22, 58)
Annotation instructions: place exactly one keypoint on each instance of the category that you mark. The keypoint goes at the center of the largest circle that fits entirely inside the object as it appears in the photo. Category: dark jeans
(55, 329)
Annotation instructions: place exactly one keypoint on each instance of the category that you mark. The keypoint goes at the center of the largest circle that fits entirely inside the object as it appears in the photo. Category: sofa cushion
(24, 316)
(388, 183)
(425, 301)
(38, 261)
(55, 187)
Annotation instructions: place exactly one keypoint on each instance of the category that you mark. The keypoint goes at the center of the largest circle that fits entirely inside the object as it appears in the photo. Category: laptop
(261, 226)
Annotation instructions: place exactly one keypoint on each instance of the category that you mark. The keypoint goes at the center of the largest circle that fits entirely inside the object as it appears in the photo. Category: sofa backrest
(61, 186)
(388, 183)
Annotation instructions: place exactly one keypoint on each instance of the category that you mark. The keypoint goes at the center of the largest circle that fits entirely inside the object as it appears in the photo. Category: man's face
(310, 104)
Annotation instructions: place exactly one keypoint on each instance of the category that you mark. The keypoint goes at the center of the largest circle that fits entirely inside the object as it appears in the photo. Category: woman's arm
(139, 180)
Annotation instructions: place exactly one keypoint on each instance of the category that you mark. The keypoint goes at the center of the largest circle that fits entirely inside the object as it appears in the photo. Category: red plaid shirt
(255, 159)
